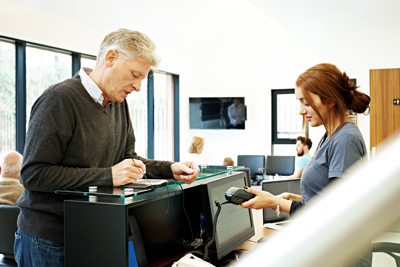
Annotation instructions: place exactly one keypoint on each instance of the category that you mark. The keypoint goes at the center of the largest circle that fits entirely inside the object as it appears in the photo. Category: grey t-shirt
(332, 158)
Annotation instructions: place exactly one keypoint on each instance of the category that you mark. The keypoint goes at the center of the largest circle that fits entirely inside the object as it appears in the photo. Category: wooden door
(385, 115)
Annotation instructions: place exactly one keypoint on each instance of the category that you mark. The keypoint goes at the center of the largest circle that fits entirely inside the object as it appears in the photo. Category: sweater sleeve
(296, 205)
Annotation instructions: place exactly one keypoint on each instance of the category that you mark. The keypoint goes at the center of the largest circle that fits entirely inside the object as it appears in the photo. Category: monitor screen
(277, 187)
(253, 162)
(282, 165)
(235, 224)
(217, 113)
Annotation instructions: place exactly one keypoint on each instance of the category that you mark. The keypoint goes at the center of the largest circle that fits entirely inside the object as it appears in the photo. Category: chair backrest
(253, 162)
(8, 226)
(282, 165)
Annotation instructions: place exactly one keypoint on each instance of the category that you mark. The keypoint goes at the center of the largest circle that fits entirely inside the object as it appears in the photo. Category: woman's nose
(302, 110)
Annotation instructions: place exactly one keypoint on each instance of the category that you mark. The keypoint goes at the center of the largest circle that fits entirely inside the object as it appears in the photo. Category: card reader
(237, 195)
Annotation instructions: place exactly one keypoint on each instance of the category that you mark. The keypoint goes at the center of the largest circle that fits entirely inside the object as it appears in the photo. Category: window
(287, 124)
(44, 68)
(137, 102)
(163, 116)
(7, 97)
(88, 62)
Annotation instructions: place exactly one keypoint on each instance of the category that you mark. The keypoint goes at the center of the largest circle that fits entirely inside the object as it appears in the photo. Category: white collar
(92, 88)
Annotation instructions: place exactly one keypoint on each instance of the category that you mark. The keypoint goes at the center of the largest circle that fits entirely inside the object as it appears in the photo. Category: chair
(253, 162)
(8, 226)
(282, 165)
(388, 248)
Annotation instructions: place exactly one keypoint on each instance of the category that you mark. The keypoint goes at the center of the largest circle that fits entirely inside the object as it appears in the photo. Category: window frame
(274, 118)
(21, 87)
(150, 118)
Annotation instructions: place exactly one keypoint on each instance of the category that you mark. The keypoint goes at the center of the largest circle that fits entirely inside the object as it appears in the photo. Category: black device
(235, 224)
(237, 195)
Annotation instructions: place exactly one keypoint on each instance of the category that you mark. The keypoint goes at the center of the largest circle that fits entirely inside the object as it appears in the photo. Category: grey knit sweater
(72, 142)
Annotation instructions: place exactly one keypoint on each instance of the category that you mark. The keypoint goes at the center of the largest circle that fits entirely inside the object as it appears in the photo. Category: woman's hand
(290, 196)
(262, 200)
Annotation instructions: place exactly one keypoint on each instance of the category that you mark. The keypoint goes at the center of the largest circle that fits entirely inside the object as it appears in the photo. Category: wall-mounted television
(217, 113)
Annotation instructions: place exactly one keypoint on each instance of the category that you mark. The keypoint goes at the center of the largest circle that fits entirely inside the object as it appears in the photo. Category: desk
(250, 245)
(98, 230)
(260, 232)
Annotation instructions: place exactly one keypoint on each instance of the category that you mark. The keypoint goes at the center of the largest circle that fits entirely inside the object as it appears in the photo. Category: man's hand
(127, 171)
(185, 171)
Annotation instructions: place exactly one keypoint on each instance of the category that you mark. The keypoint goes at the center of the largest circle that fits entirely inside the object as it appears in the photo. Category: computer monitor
(235, 224)
(277, 187)
(282, 165)
(253, 162)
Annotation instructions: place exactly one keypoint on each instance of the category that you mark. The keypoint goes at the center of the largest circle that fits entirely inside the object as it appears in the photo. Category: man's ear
(111, 58)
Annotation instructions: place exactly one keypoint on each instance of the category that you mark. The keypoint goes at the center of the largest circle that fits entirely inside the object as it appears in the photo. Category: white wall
(224, 48)
(354, 35)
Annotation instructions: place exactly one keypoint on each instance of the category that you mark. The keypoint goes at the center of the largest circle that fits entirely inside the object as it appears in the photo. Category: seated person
(303, 146)
(228, 162)
(195, 149)
(10, 170)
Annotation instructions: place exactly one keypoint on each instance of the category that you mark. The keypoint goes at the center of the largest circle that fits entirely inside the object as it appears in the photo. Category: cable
(155, 197)
(184, 210)
(183, 200)
(209, 243)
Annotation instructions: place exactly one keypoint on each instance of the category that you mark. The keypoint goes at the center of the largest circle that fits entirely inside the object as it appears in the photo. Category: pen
(133, 159)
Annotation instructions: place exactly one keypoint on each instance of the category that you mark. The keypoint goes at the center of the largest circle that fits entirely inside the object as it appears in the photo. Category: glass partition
(206, 171)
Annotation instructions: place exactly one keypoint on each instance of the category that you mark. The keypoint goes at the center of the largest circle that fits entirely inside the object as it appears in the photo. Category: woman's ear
(331, 104)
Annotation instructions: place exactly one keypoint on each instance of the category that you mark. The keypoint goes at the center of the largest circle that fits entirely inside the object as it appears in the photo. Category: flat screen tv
(217, 113)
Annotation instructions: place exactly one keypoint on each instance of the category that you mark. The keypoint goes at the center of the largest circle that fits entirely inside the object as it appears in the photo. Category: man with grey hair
(80, 134)
(10, 170)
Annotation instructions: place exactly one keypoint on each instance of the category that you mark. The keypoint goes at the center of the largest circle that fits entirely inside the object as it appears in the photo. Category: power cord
(185, 242)
(209, 243)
